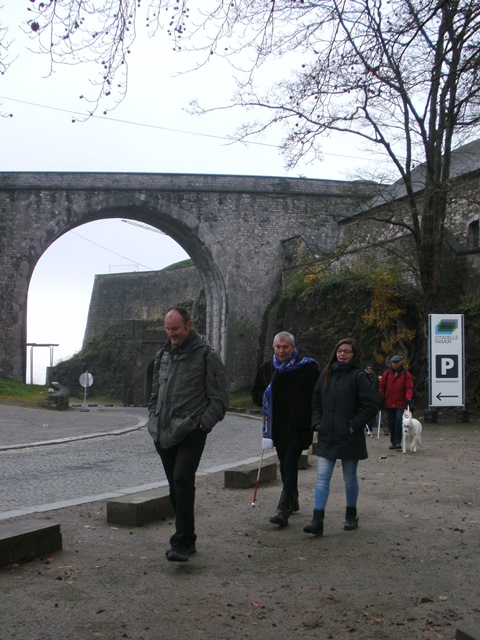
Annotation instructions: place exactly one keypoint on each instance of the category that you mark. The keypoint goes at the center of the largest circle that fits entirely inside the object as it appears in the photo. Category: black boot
(351, 520)
(283, 510)
(316, 525)
(294, 506)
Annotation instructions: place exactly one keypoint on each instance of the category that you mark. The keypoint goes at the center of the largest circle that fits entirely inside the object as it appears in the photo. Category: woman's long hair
(356, 359)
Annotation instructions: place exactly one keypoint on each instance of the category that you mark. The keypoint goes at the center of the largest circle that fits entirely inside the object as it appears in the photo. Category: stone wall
(140, 296)
(243, 233)
(367, 237)
(232, 227)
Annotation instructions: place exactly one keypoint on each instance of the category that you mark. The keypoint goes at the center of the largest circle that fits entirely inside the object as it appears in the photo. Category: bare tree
(401, 76)
(4, 47)
(85, 32)
(5, 60)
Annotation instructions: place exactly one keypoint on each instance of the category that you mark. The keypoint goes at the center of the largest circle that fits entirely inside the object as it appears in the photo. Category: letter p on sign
(446, 366)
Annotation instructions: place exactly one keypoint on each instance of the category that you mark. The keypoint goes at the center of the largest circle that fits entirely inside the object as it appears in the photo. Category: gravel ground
(410, 571)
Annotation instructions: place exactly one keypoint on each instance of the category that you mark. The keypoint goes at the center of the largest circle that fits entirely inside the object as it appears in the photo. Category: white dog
(412, 430)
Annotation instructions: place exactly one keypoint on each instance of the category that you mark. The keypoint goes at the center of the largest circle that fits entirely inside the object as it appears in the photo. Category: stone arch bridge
(233, 227)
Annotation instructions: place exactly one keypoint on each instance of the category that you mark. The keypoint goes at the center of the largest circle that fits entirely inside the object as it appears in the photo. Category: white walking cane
(379, 423)
(258, 480)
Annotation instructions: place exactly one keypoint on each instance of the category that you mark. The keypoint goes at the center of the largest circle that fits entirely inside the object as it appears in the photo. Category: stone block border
(468, 634)
(27, 539)
(138, 509)
(245, 476)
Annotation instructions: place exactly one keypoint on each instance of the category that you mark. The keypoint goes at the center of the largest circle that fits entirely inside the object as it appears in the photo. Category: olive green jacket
(189, 391)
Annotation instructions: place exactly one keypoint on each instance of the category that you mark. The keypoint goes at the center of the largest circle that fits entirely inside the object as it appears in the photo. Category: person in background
(189, 396)
(396, 389)
(371, 375)
(373, 379)
(283, 388)
(343, 403)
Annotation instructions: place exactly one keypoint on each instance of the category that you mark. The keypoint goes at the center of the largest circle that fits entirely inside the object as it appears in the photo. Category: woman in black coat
(343, 402)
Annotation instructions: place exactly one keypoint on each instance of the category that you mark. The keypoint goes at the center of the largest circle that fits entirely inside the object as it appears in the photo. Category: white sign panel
(86, 379)
(446, 360)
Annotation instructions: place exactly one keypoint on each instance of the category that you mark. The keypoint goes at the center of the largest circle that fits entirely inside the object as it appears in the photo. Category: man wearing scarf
(283, 387)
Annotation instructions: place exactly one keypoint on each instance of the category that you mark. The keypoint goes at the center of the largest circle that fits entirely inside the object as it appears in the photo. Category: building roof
(464, 160)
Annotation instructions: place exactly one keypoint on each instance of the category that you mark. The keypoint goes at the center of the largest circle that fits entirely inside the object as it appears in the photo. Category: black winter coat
(291, 403)
(348, 401)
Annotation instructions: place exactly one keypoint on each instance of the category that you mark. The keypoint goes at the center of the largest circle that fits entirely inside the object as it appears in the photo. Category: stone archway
(233, 227)
(212, 279)
(212, 282)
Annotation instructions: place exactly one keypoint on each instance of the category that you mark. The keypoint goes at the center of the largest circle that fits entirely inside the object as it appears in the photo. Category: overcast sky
(150, 131)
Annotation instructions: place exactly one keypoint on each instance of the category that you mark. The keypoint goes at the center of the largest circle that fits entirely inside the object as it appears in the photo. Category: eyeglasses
(346, 351)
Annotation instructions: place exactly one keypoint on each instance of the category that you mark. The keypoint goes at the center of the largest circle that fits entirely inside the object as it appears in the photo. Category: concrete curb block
(245, 476)
(138, 509)
(88, 436)
(28, 539)
(144, 507)
(468, 634)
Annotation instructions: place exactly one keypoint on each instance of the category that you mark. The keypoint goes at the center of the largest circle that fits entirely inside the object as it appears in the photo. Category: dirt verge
(409, 572)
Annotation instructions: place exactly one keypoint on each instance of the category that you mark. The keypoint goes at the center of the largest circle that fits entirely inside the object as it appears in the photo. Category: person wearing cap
(371, 375)
(396, 387)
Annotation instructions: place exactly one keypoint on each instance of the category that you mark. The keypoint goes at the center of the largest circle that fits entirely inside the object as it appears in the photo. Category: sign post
(86, 380)
(446, 360)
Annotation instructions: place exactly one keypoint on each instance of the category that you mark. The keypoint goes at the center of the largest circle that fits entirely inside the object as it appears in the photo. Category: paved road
(94, 464)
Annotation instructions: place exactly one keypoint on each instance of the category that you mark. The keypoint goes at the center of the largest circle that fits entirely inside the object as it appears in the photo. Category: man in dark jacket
(283, 388)
(396, 387)
(189, 396)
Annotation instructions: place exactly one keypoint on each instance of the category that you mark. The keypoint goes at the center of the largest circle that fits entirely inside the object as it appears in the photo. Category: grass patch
(242, 400)
(21, 394)
(180, 265)
(33, 395)
(102, 401)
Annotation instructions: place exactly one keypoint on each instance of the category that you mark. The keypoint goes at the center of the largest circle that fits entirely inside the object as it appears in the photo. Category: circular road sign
(86, 379)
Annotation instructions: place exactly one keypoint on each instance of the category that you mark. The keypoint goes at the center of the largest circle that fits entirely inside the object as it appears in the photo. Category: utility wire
(137, 124)
(154, 126)
(114, 252)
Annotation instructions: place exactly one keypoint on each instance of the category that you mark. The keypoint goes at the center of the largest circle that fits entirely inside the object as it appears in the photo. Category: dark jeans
(395, 417)
(181, 463)
(288, 459)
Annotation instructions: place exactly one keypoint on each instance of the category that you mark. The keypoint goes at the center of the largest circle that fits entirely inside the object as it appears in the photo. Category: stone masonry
(146, 295)
(233, 228)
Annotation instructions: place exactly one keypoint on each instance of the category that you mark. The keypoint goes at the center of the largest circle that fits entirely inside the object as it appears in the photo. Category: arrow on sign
(439, 396)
